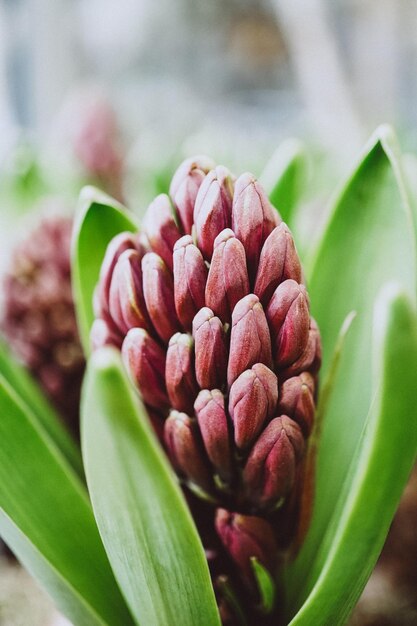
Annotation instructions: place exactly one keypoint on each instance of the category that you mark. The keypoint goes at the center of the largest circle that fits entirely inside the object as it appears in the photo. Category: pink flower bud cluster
(209, 309)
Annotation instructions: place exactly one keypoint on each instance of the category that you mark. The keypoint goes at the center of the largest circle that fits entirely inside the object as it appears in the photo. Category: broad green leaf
(46, 518)
(20, 380)
(145, 524)
(99, 219)
(368, 242)
(378, 472)
(284, 178)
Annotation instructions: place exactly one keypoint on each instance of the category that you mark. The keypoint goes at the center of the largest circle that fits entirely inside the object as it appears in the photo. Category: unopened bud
(279, 261)
(296, 400)
(102, 334)
(212, 210)
(228, 280)
(210, 350)
(253, 399)
(310, 358)
(289, 319)
(250, 341)
(270, 470)
(126, 301)
(183, 441)
(144, 360)
(212, 419)
(185, 185)
(160, 228)
(118, 245)
(190, 276)
(179, 373)
(158, 290)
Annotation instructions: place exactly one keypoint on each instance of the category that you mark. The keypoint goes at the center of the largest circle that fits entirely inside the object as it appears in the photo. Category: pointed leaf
(377, 475)
(145, 524)
(46, 518)
(99, 218)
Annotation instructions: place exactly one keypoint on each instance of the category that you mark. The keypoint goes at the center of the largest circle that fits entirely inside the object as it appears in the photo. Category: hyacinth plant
(230, 479)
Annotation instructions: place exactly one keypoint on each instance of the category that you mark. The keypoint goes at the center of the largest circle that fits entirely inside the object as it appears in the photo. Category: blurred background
(117, 93)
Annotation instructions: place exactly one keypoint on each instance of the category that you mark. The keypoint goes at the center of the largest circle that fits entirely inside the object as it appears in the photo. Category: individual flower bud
(244, 537)
(160, 228)
(212, 420)
(144, 360)
(183, 441)
(270, 470)
(250, 341)
(190, 276)
(279, 261)
(212, 210)
(289, 319)
(102, 334)
(185, 185)
(252, 400)
(179, 373)
(158, 290)
(210, 350)
(228, 280)
(253, 218)
(310, 359)
(119, 244)
(296, 399)
(126, 301)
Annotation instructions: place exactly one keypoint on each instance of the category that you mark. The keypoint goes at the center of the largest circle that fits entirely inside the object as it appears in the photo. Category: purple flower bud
(289, 319)
(310, 359)
(126, 301)
(246, 536)
(144, 360)
(212, 419)
(270, 470)
(118, 245)
(160, 228)
(296, 399)
(253, 218)
(102, 334)
(250, 341)
(210, 350)
(190, 276)
(212, 210)
(278, 262)
(158, 290)
(185, 185)
(179, 373)
(228, 280)
(183, 441)
(252, 400)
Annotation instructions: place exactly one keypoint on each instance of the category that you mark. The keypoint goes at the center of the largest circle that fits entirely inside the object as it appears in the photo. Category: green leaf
(99, 219)
(146, 527)
(284, 178)
(29, 392)
(378, 472)
(46, 518)
(368, 241)
(266, 585)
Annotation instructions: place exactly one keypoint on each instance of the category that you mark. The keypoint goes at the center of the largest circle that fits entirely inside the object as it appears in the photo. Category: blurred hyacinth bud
(185, 185)
(102, 334)
(144, 360)
(279, 261)
(160, 228)
(180, 374)
(252, 400)
(210, 350)
(296, 399)
(289, 320)
(250, 340)
(228, 280)
(253, 218)
(185, 447)
(212, 419)
(126, 300)
(270, 470)
(212, 209)
(244, 537)
(158, 289)
(190, 276)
